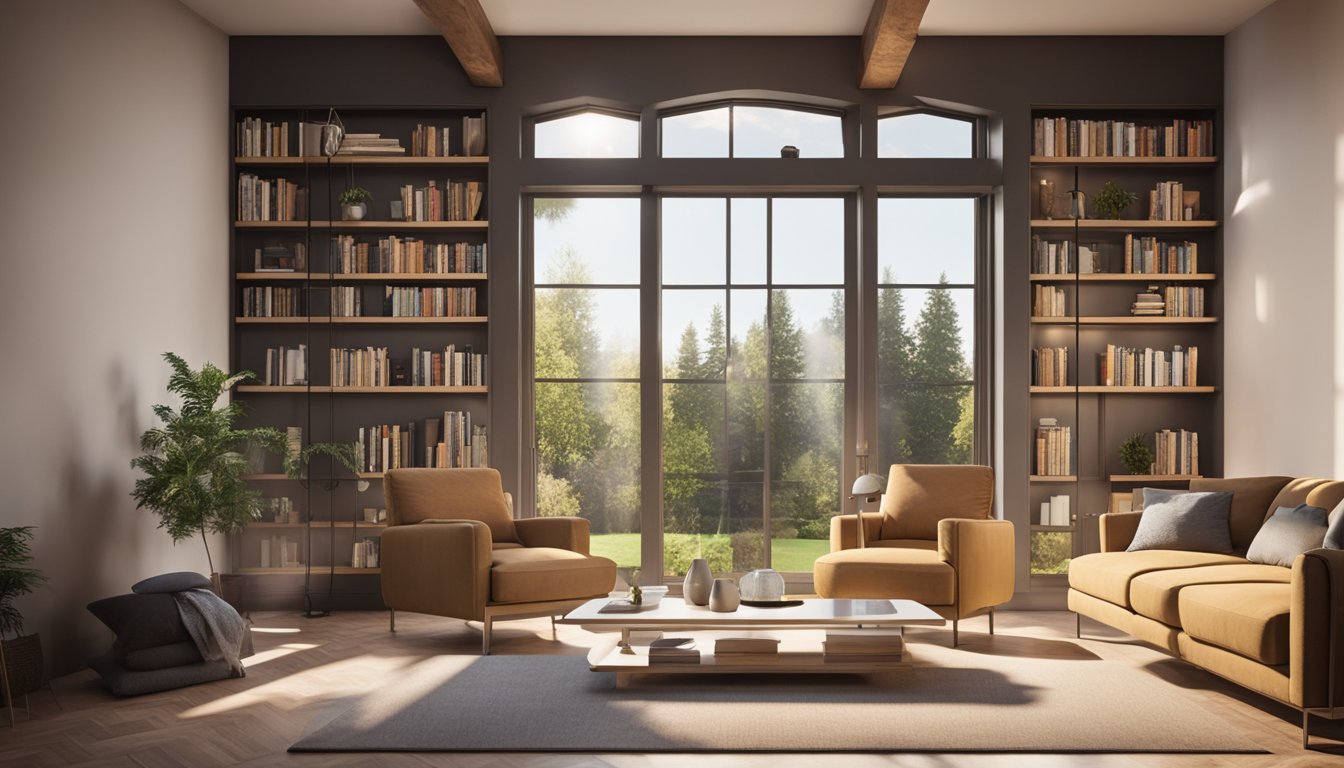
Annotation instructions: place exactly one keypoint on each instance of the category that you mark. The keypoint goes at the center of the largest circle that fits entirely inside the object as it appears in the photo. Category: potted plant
(194, 463)
(1135, 455)
(355, 203)
(20, 654)
(1111, 201)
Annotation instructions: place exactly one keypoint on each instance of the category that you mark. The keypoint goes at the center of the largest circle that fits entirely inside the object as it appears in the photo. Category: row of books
(1146, 255)
(1172, 301)
(1177, 452)
(1148, 303)
(370, 144)
(455, 201)
(421, 301)
(405, 255)
(453, 441)
(353, 367)
(280, 257)
(1062, 137)
(364, 553)
(286, 366)
(436, 141)
(1148, 367)
(1052, 257)
(449, 368)
(1169, 201)
(254, 137)
(279, 552)
(270, 199)
(272, 301)
(1050, 367)
(1054, 449)
(1048, 301)
(347, 301)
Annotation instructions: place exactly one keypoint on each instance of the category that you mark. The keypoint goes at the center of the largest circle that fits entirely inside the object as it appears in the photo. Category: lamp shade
(868, 485)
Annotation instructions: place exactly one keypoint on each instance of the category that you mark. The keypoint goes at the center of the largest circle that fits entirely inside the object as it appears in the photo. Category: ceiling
(734, 17)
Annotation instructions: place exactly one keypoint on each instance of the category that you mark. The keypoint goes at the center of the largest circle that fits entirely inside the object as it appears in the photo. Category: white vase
(724, 597)
(699, 581)
(354, 212)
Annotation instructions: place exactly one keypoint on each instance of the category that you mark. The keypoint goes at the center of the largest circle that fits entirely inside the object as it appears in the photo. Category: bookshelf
(315, 288)
(1106, 271)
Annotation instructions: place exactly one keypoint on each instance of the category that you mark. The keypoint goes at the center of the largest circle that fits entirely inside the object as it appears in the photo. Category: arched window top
(586, 133)
(752, 130)
(926, 134)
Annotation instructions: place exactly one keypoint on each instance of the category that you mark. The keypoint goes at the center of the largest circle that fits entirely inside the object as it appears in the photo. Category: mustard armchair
(935, 541)
(452, 548)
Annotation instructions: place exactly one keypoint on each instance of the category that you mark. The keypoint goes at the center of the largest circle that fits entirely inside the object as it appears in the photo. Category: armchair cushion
(538, 574)
(886, 572)
(415, 495)
(919, 495)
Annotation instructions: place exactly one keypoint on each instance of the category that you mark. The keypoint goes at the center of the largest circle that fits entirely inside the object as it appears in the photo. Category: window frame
(528, 150)
(708, 106)
(979, 134)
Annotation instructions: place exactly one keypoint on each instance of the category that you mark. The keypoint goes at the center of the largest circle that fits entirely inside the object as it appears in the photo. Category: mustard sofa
(1274, 630)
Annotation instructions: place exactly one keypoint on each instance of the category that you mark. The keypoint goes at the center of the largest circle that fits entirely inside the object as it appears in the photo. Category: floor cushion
(1249, 619)
(886, 572)
(1106, 575)
(536, 574)
(1155, 594)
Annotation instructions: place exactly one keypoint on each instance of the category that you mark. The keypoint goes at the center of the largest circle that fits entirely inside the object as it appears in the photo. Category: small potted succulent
(22, 654)
(355, 203)
(1136, 455)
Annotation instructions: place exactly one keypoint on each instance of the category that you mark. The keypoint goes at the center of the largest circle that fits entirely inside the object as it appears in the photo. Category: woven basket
(23, 664)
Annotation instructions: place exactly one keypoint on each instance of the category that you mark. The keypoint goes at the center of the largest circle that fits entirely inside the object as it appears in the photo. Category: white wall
(114, 245)
(1284, 241)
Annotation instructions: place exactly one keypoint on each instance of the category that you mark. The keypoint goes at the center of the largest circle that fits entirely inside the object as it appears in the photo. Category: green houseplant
(20, 654)
(1136, 455)
(355, 203)
(1111, 201)
(193, 463)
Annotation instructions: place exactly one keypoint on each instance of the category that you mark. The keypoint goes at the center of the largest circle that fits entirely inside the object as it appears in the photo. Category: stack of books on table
(684, 653)
(864, 645)
(746, 649)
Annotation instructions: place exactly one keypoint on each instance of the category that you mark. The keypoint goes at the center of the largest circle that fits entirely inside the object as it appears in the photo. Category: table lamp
(867, 487)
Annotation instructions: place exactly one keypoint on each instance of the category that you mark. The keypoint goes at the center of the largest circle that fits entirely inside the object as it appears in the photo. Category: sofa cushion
(886, 572)
(141, 621)
(1251, 497)
(535, 574)
(1196, 522)
(1287, 534)
(422, 493)
(919, 495)
(1249, 619)
(179, 581)
(1334, 535)
(1155, 594)
(1107, 575)
(928, 544)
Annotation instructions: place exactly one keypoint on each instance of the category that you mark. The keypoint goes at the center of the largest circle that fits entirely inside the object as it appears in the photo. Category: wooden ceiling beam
(468, 32)
(892, 28)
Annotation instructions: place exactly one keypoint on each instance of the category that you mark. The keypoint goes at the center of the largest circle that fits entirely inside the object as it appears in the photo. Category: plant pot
(355, 212)
(23, 664)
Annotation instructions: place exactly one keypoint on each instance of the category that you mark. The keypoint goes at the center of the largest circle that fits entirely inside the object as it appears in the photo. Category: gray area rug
(965, 702)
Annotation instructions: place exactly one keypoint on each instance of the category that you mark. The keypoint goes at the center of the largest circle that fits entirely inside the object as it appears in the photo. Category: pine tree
(895, 349)
(933, 408)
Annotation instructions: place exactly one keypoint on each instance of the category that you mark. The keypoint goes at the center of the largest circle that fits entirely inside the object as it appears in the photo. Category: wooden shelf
(1053, 478)
(374, 277)
(366, 224)
(328, 390)
(1120, 224)
(479, 320)
(319, 524)
(1098, 390)
(281, 476)
(1152, 478)
(1141, 161)
(340, 570)
(362, 160)
(1126, 320)
(1110, 277)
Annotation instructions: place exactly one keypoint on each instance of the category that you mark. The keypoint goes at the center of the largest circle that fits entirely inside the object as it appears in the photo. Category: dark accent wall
(1003, 76)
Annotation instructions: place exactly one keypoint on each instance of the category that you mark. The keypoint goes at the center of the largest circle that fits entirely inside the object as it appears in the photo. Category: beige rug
(952, 701)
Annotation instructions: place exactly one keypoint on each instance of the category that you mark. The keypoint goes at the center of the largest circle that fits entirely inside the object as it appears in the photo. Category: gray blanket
(214, 625)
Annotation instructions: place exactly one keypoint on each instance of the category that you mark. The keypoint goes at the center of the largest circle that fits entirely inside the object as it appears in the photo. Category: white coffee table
(801, 630)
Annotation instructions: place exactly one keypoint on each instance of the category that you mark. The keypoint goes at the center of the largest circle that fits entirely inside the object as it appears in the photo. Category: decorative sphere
(762, 584)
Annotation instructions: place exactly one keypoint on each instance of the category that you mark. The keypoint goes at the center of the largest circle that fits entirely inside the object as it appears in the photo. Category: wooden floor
(308, 670)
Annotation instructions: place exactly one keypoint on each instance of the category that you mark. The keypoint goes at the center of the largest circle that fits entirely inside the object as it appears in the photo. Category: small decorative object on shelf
(788, 150)
(1135, 454)
(762, 585)
(1111, 201)
(724, 597)
(636, 593)
(355, 203)
(1055, 512)
(698, 582)
(1046, 199)
(1077, 204)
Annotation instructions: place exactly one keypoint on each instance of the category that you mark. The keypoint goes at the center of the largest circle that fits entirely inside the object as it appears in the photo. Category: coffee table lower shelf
(800, 654)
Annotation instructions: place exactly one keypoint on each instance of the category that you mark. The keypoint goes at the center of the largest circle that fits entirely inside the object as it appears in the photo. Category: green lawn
(790, 555)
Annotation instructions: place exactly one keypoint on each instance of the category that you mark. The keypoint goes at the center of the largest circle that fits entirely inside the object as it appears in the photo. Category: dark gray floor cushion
(130, 682)
(161, 657)
(141, 621)
(171, 582)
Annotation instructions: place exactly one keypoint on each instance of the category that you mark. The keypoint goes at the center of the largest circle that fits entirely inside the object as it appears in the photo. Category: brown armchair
(452, 548)
(935, 541)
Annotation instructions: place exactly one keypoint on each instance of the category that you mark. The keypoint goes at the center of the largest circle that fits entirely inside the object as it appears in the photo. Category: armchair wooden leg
(954, 633)
(1078, 626)
(1306, 717)
(391, 620)
(485, 635)
(991, 621)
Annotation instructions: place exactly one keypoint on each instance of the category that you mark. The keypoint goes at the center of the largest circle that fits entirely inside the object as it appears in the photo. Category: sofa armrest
(844, 535)
(1316, 630)
(439, 567)
(569, 533)
(1118, 529)
(981, 552)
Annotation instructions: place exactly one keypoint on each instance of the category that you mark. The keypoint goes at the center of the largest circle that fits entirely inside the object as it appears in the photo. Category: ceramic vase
(724, 597)
(699, 581)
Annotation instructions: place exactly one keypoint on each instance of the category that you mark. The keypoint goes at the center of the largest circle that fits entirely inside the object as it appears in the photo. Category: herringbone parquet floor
(307, 670)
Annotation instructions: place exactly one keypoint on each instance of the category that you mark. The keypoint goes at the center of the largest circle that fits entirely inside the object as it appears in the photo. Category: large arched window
(586, 133)
(926, 134)
(752, 130)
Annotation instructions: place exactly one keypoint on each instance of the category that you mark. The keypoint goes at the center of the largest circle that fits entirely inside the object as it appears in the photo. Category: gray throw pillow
(180, 581)
(1334, 535)
(1193, 522)
(1289, 532)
